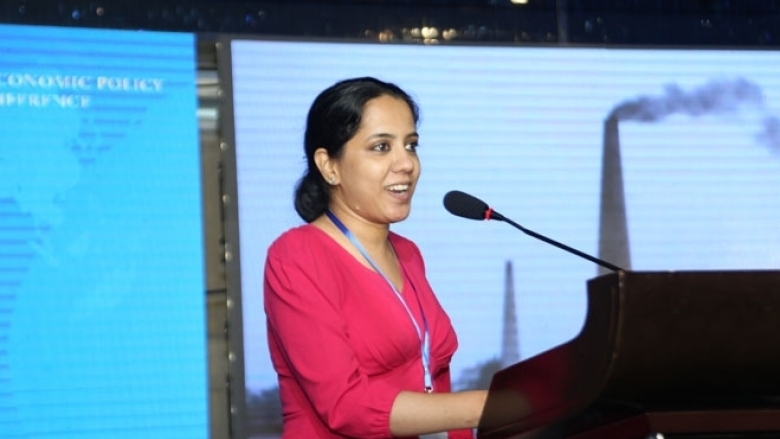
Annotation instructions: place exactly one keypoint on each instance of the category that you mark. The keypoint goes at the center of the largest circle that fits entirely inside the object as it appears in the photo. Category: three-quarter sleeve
(442, 383)
(307, 326)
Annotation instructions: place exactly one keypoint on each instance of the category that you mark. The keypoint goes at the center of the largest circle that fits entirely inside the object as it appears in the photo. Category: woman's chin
(398, 216)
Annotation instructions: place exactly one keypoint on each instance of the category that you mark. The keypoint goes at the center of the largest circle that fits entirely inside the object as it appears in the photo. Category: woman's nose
(403, 159)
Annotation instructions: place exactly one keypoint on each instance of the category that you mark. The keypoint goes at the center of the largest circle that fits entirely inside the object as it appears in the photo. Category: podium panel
(676, 352)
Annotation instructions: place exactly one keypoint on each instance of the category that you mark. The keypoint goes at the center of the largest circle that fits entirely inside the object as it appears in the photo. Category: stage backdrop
(691, 139)
(102, 330)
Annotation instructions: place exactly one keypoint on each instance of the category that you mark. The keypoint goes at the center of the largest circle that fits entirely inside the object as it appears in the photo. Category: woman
(360, 344)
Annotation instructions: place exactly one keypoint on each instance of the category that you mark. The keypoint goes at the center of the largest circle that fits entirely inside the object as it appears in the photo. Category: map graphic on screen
(102, 320)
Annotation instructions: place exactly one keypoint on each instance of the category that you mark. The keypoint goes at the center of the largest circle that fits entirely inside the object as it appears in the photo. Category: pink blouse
(341, 342)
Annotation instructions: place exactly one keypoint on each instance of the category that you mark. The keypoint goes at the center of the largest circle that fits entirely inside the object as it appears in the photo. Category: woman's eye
(412, 146)
(384, 146)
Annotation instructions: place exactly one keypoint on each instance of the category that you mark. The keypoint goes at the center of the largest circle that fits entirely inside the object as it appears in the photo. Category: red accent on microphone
(487, 213)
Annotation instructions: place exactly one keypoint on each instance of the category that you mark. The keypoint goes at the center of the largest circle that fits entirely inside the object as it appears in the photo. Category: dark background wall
(601, 22)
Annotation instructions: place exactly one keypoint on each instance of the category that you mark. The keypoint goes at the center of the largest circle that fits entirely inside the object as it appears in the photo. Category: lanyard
(424, 337)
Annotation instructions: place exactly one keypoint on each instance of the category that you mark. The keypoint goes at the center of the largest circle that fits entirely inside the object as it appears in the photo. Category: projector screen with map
(102, 309)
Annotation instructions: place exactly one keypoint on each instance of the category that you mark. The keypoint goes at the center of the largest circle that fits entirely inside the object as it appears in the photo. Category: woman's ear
(326, 166)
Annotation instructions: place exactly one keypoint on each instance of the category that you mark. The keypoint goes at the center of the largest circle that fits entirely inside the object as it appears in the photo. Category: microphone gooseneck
(468, 206)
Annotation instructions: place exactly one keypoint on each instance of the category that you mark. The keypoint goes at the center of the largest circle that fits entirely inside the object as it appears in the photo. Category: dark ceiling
(741, 23)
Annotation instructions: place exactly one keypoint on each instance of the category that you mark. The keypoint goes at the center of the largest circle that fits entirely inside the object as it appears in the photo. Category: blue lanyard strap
(424, 337)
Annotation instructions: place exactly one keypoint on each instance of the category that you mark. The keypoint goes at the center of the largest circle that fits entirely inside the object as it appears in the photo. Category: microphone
(468, 206)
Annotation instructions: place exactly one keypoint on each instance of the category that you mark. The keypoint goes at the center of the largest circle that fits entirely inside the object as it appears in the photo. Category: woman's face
(378, 170)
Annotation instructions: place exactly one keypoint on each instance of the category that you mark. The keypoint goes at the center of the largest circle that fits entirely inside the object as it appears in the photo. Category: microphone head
(464, 205)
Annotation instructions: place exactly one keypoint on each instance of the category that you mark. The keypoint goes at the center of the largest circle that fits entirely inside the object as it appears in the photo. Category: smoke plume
(715, 97)
(771, 134)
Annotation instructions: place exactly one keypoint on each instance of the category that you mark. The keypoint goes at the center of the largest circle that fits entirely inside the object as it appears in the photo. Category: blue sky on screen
(522, 128)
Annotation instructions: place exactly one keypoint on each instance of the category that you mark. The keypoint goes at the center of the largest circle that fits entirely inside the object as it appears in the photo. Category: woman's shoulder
(403, 245)
(296, 241)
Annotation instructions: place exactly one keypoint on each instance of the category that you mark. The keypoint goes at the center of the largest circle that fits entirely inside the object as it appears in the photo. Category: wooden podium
(661, 354)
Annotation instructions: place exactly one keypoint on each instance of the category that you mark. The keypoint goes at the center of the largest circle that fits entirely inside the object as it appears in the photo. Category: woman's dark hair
(334, 118)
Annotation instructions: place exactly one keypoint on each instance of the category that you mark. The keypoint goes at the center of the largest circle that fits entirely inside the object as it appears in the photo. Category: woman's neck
(377, 252)
(373, 236)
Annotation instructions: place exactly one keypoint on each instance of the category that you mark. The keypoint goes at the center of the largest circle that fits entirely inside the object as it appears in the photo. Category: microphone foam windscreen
(464, 205)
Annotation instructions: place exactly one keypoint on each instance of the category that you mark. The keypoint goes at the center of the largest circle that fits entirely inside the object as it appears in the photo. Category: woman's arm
(416, 413)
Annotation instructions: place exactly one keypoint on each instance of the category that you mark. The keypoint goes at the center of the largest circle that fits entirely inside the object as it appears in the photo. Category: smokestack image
(613, 227)
(510, 345)
(715, 97)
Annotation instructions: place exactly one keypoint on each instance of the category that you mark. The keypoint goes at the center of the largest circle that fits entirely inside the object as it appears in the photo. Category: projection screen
(102, 314)
(650, 159)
